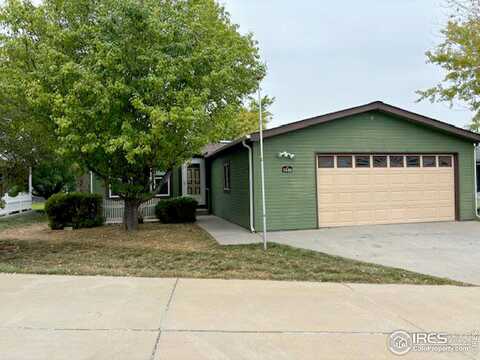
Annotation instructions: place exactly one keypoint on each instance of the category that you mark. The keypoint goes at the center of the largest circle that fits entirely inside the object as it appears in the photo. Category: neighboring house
(372, 164)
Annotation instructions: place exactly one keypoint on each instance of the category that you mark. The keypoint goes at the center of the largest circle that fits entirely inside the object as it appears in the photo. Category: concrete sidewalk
(227, 233)
(63, 317)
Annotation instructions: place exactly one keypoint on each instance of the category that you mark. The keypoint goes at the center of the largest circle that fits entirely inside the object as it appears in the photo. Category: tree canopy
(245, 121)
(127, 86)
(53, 176)
(459, 56)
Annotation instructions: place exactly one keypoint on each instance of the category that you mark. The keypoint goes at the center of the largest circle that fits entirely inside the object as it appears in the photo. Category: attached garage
(360, 189)
(372, 164)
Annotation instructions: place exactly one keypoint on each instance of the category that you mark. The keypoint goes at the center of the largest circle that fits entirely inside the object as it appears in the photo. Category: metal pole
(30, 187)
(262, 169)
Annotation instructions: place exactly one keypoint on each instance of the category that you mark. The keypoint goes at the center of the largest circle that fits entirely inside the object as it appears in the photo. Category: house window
(158, 177)
(362, 161)
(445, 161)
(429, 161)
(344, 161)
(413, 161)
(226, 176)
(380, 161)
(396, 161)
(325, 162)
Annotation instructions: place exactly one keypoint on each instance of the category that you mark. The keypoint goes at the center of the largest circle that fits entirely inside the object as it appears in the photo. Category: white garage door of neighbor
(384, 189)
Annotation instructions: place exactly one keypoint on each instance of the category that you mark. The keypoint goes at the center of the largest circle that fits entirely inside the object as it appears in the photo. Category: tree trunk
(130, 218)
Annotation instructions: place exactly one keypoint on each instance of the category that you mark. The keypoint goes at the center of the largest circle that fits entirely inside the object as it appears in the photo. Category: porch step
(202, 212)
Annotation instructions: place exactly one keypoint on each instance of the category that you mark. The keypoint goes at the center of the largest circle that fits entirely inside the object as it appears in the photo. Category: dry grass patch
(159, 250)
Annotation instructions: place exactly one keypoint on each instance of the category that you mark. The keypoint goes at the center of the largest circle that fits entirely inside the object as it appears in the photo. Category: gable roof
(374, 106)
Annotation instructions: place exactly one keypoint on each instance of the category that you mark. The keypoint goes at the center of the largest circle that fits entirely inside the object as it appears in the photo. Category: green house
(372, 164)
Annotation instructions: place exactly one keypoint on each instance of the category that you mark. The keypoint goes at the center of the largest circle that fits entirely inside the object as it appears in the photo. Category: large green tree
(129, 85)
(459, 56)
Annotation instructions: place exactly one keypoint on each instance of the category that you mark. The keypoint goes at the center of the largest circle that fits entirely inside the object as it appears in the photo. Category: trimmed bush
(78, 210)
(177, 210)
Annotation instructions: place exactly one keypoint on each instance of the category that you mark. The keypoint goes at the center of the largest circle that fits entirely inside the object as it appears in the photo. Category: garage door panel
(414, 179)
(397, 179)
(385, 195)
(381, 196)
(430, 195)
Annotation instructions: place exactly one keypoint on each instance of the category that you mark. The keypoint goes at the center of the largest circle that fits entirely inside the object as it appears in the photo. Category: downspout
(250, 180)
(91, 182)
(475, 146)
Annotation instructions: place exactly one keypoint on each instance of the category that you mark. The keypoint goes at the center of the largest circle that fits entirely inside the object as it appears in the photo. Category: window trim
(110, 194)
(450, 157)
(413, 156)
(154, 176)
(326, 156)
(363, 156)
(420, 155)
(387, 163)
(336, 161)
(227, 176)
(435, 164)
(396, 167)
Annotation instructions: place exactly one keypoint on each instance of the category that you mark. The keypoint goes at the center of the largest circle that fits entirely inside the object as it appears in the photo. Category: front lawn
(175, 251)
(20, 221)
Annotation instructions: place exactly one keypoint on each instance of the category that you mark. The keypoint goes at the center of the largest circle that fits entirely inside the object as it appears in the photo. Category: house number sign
(287, 169)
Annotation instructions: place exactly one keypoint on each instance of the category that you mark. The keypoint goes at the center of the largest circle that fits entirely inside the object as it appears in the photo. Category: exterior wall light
(286, 155)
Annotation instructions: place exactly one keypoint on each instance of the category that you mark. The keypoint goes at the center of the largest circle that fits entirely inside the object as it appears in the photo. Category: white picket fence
(113, 210)
(15, 205)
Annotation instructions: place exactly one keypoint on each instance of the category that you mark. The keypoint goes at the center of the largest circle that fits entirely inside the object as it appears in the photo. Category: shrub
(177, 210)
(78, 210)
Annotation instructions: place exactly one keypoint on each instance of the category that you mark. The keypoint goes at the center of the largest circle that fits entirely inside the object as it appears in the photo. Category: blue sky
(324, 55)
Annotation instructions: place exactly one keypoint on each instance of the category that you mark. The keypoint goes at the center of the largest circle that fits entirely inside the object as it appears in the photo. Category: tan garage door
(385, 189)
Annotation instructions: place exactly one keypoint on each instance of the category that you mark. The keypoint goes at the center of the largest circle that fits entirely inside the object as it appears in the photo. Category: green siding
(233, 205)
(291, 198)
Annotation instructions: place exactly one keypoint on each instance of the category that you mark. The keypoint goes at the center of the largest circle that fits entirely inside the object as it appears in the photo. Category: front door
(193, 184)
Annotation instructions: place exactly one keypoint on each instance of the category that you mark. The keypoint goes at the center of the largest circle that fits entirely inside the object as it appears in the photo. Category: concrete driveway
(100, 318)
(447, 249)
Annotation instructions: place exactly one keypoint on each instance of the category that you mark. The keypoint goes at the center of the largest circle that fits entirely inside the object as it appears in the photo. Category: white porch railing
(14, 205)
(113, 210)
